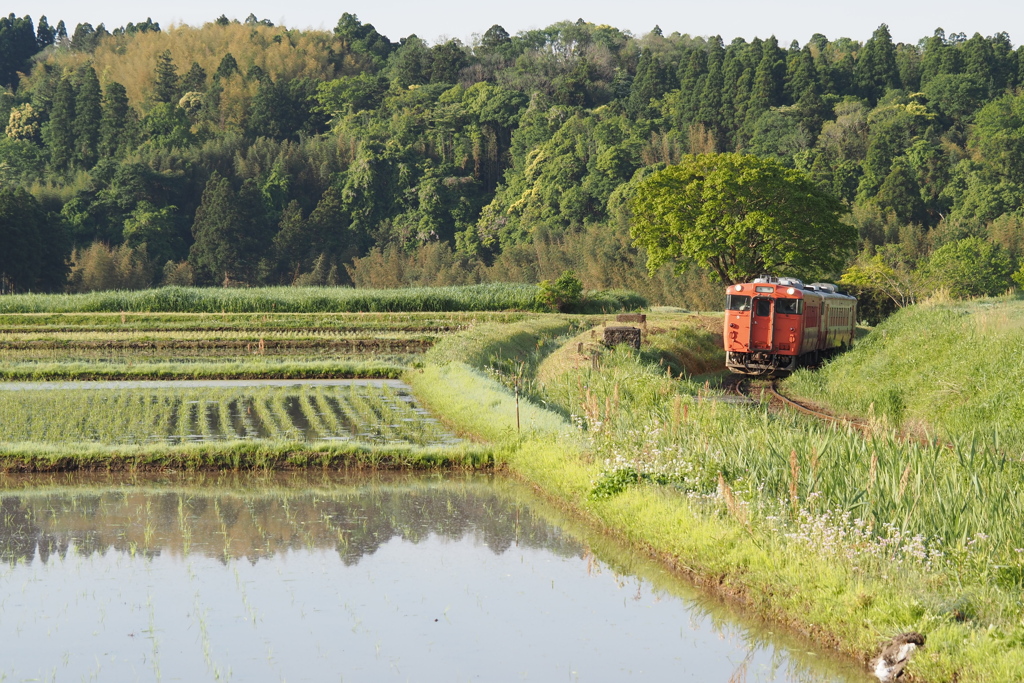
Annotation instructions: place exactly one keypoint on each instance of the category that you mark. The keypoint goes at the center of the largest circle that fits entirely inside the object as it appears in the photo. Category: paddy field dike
(840, 537)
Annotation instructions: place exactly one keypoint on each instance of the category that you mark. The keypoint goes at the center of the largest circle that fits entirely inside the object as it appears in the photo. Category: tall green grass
(950, 370)
(485, 297)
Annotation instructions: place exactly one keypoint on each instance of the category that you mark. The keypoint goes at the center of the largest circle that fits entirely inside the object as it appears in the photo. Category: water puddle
(312, 577)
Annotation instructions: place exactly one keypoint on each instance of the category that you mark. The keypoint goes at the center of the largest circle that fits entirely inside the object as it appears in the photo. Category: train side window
(735, 302)
(763, 307)
(789, 306)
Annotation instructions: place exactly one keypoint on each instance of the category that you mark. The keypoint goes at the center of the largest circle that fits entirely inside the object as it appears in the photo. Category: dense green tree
(59, 132)
(167, 125)
(350, 94)
(934, 61)
(35, 245)
(218, 254)
(739, 217)
(1000, 136)
(410, 64)
(511, 150)
(363, 39)
(227, 67)
(86, 38)
(292, 243)
(119, 123)
(876, 70)
(194, 80)
(495, 41)
(778, 134)
(649, 83)
(709, 101)
(88, 113)
(956, 96)
(153, 228)
(282, 110)
(17, 45)
(447, 60)
(165, 89)
(45, 34)
(901, 194)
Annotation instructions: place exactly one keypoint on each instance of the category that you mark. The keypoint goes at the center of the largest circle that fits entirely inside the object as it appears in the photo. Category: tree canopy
(739, 216)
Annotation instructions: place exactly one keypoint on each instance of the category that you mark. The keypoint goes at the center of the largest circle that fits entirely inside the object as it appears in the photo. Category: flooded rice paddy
(366, 411)
(315, 577)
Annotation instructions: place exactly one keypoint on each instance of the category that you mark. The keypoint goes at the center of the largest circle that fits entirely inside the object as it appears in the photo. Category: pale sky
(787, 20)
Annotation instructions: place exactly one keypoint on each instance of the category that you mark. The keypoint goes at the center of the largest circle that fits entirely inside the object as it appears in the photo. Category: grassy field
(847, 538)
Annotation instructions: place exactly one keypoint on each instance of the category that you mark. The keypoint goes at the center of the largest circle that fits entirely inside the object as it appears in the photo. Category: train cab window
(763, 307)
(735, 302)
(789, 306)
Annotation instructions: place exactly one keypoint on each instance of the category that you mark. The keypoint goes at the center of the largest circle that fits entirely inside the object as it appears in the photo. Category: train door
(762, 328)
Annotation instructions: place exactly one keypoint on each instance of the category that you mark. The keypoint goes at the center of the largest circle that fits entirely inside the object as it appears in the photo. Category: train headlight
(790, 291)
(739, 288)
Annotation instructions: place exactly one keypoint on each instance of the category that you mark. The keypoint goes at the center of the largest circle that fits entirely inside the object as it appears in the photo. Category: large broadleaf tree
(739, 216)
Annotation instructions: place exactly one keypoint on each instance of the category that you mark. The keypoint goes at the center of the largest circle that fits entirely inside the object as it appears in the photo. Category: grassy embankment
(850, 539)
(951, 370)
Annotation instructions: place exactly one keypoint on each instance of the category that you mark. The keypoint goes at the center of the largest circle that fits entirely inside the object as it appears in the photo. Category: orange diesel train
(775, 325)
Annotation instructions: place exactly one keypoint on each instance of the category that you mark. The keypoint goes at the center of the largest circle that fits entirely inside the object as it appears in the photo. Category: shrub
(970, 267)
(563, 295)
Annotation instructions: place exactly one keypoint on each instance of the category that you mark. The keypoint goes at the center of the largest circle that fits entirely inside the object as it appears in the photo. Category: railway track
(773, 390)
(742, 386)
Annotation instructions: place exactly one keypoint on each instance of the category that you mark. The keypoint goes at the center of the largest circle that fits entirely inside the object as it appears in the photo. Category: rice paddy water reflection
(331, 577)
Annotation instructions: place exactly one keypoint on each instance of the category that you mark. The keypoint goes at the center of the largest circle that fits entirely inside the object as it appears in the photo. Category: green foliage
(614, 482)
(17, 45)
(563, 295)
(740, 217)
(970, 267)
(34, 244)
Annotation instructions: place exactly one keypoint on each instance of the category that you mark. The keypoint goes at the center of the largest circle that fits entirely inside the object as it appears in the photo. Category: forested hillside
(243, 152)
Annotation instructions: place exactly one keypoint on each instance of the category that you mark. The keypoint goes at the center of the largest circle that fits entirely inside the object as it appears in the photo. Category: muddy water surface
(313, 577)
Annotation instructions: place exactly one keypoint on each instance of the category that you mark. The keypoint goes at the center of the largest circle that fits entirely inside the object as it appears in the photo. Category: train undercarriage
(766, 363)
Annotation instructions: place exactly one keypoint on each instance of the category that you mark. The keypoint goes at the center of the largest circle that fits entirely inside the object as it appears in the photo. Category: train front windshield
(735, 302)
